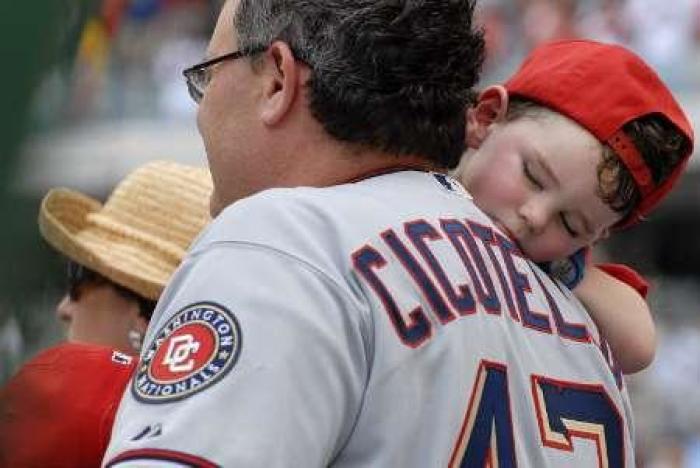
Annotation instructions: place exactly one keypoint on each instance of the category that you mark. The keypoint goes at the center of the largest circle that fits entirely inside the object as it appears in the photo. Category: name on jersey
(193, 350)
(494, 278)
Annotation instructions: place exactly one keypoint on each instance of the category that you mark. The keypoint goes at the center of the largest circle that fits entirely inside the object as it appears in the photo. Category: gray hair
(393, 75)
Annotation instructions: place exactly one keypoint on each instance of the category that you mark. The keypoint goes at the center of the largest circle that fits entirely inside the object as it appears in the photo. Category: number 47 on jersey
(564, 410)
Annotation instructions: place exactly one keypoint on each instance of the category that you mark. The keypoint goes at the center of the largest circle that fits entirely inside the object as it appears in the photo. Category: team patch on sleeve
(195, 349)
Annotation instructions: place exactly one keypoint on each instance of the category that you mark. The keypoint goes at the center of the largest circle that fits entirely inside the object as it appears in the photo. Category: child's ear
(604, 234)
(491, 107)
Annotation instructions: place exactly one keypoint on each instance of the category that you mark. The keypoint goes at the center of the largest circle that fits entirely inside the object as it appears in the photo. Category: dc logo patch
(191, 352)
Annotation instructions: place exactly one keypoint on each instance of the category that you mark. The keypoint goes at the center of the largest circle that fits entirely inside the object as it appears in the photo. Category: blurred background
(92, 89)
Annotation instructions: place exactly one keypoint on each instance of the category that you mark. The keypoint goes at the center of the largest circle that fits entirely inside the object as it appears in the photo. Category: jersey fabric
(381, 323)
(58, 410)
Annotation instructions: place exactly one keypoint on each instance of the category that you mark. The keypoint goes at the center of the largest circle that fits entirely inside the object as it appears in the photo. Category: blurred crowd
(131, 52)
(128, 63)
(128, 67)
(666, 36)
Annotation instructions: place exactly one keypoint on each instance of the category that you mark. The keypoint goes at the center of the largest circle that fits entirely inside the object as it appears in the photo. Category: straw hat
(141, 234)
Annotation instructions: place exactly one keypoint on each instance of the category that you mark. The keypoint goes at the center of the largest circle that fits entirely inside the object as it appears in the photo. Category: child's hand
(570, 270)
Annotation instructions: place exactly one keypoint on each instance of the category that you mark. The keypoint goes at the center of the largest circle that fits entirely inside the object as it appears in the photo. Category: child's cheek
(547, 247)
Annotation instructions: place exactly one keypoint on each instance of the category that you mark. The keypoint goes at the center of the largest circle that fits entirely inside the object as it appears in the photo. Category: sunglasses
(77, 276)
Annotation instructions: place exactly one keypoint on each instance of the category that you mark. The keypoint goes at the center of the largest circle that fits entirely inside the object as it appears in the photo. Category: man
(349, 307)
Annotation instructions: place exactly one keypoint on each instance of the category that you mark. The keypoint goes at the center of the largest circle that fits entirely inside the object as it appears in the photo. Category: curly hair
(393, 75)
(661, 146)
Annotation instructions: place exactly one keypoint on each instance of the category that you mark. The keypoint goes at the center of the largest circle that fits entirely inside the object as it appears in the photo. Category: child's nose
(536, 214)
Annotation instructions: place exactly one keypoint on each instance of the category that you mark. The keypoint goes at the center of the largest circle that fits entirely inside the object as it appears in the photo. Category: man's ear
(491, 107)
(282, 76)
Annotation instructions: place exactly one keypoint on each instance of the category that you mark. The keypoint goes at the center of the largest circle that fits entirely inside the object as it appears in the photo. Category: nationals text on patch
(192, 351)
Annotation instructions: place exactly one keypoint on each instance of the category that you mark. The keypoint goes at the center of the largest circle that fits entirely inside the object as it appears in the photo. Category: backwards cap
(603, 87)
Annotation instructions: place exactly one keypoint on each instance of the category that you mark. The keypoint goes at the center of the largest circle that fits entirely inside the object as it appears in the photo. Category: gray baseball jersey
(381, 323)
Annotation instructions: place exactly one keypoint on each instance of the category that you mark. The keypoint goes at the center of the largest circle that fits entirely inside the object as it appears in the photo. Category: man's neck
(338, 165)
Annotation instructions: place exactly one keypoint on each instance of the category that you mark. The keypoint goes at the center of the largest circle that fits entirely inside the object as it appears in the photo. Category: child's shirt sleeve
(626, 275)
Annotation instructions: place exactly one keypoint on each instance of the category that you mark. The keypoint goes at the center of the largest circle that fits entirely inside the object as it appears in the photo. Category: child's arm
(623, 316)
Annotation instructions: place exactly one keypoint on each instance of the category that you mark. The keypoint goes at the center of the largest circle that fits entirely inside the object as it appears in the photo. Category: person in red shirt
(57, 411)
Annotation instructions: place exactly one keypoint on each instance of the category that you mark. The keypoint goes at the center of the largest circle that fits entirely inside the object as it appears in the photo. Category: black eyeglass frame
(76, 276)
(197, 76)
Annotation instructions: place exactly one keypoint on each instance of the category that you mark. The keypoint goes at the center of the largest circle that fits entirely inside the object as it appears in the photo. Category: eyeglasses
(77, 276)
(198, 76)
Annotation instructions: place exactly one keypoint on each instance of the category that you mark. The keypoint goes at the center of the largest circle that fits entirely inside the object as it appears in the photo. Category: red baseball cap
(627, 275)
(58, 410)
(602, 87)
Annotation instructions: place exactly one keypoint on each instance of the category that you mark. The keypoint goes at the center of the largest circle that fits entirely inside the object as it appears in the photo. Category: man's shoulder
(406, 191)
(299, 221)
(338, 216)
(273, 209)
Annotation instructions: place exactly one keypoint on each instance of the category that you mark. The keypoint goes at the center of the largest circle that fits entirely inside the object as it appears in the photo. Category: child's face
(536, 177)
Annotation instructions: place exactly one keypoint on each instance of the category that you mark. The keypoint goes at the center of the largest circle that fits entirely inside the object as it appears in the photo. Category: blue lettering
(365, 261)
(463, 301)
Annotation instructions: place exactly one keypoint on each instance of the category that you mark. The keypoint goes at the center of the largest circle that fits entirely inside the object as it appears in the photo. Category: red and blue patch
(196, 348)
